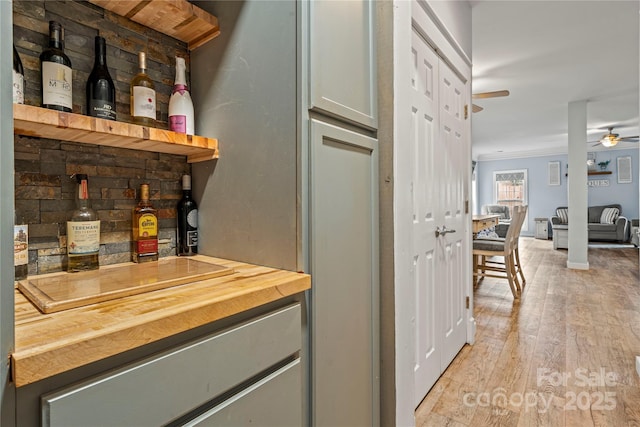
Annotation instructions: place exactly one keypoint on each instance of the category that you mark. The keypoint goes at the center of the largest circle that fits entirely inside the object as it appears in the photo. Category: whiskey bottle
(83, 232)
(187, 221)
(145, 229)
(21, 251)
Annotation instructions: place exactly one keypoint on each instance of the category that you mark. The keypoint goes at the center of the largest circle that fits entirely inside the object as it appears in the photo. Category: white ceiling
(547, 54)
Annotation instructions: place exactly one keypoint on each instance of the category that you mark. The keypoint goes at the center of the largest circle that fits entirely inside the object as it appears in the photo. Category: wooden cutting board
(61, 291)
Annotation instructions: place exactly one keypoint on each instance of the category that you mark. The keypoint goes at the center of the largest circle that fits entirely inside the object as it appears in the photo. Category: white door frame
(405, 14)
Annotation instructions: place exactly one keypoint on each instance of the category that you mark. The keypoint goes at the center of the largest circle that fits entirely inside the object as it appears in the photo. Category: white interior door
(437, 186)
(453, 166)
(423, 273)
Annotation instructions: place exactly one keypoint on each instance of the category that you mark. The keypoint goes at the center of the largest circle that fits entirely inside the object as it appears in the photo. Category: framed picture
(554, 173)
(624, 170)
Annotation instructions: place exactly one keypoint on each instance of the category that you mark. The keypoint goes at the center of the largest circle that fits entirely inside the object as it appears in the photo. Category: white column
(577, 186)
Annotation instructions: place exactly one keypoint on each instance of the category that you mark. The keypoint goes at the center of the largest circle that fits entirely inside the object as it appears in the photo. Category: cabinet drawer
(161, 388)
(274, 401)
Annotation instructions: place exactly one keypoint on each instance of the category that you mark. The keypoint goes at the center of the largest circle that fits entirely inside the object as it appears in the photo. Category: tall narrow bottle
(187, 221)
(18, 78)
(145, 228)
(21, 251)
(143, 95)
(56, 72)
(101, 92)
(83, 232)
(180, 104)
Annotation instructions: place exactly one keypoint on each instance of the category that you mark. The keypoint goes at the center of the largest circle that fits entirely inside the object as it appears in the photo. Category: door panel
(343, 254)
(424, 110)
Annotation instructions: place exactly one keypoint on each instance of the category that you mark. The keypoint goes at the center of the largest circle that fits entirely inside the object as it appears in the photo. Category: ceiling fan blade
(494, 94)
(629, 138)
(476, 108)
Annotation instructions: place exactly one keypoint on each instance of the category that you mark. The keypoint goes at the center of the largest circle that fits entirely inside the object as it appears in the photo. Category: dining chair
(485, 250)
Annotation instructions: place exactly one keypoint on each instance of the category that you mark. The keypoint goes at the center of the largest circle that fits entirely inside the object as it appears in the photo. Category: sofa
(612, 227)
(503, 221)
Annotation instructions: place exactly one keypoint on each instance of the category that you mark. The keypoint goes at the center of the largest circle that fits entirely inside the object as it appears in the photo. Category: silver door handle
(444, 231)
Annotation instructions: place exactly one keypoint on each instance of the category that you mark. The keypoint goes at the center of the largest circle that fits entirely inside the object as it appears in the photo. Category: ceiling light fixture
(609, 140)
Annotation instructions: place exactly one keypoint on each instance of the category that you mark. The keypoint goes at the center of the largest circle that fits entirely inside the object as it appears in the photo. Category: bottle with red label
(145, 228)
(180, 104)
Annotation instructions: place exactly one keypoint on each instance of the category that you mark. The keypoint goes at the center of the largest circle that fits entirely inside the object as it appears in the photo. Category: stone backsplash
(44, 191)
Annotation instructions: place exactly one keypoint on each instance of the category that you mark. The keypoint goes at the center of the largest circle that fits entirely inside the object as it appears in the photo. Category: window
(510, 189)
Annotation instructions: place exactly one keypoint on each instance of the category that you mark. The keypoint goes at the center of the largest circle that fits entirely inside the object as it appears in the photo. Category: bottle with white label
(83, 232)
(57, 82)
(180, 104)
(18, 78)
(143, 95)
(21, 251)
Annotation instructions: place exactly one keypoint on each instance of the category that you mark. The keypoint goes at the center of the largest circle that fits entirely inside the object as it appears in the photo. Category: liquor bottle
(83, 232)
(21, 251)
(145, 228)
(180, 104)
(18, 78)
(143, 95)
(56, 72)
(101, 92)
(187, 221)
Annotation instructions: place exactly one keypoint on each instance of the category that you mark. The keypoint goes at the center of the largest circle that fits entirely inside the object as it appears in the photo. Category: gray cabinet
(342, 72)
(542, 228)
(170, 385)
(344, 269)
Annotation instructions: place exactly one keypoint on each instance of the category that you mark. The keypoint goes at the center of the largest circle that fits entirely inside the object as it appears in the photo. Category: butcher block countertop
(50, 344)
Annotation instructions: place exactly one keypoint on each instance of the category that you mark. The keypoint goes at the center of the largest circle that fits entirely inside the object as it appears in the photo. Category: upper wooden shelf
(41, 122)
(176, 18)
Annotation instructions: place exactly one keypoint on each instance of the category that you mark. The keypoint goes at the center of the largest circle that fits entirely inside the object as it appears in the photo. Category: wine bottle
(101, 92)
(18, 78)
(21, 251)
(145, 228)
(187, 221)
(143, 95)
(56, 72)
(180, 104)
(83, 232)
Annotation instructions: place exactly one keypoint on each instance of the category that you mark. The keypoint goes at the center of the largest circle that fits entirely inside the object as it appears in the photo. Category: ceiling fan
(483, 95)
(611, 139)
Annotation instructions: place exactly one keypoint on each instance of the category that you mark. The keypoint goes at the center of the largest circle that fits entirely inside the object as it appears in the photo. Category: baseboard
(578, 265)
(638, 365)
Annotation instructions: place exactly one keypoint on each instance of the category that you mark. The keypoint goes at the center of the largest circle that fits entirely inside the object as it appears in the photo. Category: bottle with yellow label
(145, 229)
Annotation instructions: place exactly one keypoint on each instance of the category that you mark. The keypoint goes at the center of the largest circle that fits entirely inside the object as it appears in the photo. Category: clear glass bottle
(180, 104)
(55, 65)
(18, 78)
(145, 228)
(187, 221)
(101, 92)
(83, 232)
(143, 95)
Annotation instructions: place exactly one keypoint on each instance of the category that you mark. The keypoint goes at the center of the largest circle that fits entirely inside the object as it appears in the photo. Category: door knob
(444, 231)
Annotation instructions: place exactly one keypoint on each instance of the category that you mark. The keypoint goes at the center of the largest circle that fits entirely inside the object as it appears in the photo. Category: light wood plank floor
(580, 325)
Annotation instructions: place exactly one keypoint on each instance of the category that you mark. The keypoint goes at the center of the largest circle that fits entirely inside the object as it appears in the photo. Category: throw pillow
(563, 214)
(609, 215)
(487, 233)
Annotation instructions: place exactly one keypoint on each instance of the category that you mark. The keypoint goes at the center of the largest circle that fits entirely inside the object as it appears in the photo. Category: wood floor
(564, 355)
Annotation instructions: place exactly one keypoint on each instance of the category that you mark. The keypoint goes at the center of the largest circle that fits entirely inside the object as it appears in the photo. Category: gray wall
(244, 92)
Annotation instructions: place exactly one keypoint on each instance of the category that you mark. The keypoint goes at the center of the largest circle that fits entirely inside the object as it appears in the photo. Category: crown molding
(548, 152)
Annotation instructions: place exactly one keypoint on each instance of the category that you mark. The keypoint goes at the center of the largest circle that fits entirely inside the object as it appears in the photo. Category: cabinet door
(273, 401)
(342, 71)
(344, 268)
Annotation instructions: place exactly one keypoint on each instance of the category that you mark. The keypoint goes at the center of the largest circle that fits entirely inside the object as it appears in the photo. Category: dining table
(482, 222)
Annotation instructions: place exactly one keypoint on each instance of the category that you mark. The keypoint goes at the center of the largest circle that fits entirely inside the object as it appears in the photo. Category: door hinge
(466, 111)
(468, 302)
(466, 206)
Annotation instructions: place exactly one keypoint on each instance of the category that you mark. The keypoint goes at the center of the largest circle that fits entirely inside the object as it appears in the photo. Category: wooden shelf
(43, 123)
(176, 18)
(599, 173)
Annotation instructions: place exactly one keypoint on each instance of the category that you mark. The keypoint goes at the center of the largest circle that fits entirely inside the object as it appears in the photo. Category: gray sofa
(503, 221)
(616, 232)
